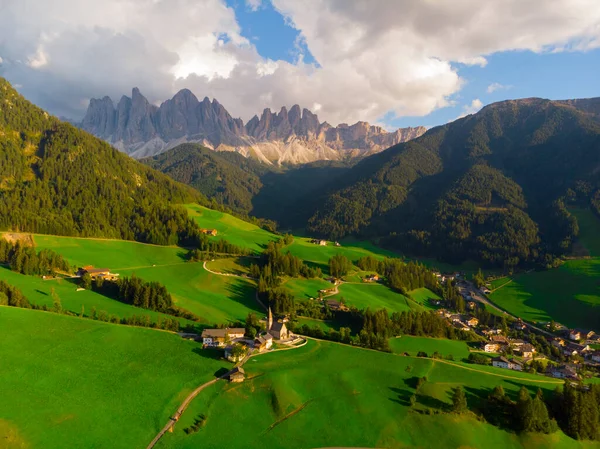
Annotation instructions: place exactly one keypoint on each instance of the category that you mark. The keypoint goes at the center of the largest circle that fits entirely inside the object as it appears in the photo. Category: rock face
(141, 129)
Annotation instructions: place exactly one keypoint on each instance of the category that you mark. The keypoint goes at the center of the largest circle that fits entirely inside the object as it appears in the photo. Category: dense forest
(494, 186)
(56, 179)
(25, 259)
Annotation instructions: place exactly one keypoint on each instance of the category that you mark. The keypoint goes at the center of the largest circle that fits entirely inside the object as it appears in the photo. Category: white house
(491, 347)
(500, 362)
(515, 365)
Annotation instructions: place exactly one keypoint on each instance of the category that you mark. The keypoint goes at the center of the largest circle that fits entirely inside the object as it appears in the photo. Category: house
(471, 305)
(263, 342)
(237, 374)
(229, 355)
(500, 362)
(485, 290)
(216, 338)
(527, 350)
(515, 365)
(491, 347)
(517, 343)
(372, 278)
(519, 325)
(558, 342)
(473, 321)
(337, 244)
(212, 232)
(96, 272)
(562, 372)
(596, 355)
(499, 339)
(319, 242)
(455, 318)
(336, 305)
(571, 349)
(580, 334)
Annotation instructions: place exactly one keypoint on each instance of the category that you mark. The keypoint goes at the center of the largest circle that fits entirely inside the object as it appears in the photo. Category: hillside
(293, 137)
(229, 178)
(492, 186)
(57, 179)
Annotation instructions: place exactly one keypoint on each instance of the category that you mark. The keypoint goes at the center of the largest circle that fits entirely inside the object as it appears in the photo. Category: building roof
(97, 270)
(220, 333)
(516, 362)
(527, 347)
(278, 327)
(500, 359)
(237, 369)
(499, 339)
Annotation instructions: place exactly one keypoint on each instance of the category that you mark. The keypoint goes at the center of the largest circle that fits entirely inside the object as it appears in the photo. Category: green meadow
(569, 294)
(39, 291)
(412, 345)
(230, 228)
(329, 395)
(67, 382)
(377, 296)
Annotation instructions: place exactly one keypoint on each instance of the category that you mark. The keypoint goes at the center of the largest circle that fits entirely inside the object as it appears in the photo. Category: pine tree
(459, 400)
(56, 304)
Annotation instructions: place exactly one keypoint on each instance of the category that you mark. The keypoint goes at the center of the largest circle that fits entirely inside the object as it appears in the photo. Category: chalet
(490, 332)
(558, 342)
(527, 350)
(455, 318)
(596, 355)
(562, 372)
(217, 337)
(485, 290)
(519, 325)
(372, 278)
(571, 349)
(471, 305)
(212, 232)
(499, 339)
(263, 342)
(473, 321)
(319, 242)
(500, 362)
(237, 374)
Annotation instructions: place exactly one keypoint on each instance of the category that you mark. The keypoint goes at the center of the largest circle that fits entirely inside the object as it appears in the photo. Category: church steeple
(270, 320)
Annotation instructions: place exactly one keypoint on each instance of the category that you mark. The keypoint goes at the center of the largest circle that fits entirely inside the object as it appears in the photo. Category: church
(277, 329)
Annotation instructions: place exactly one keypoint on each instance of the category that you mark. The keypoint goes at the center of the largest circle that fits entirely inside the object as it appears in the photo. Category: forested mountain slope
(57, 179)
(492, 186)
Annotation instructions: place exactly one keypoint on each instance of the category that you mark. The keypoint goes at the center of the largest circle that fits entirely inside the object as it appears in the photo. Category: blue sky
(518, 74)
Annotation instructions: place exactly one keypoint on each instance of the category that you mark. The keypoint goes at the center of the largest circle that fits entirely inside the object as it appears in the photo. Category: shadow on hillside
(208, 353)
(403, 396)
(245, 294)
(41, 292)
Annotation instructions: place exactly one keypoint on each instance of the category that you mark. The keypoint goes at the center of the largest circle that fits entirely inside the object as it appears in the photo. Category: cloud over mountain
(372, 59)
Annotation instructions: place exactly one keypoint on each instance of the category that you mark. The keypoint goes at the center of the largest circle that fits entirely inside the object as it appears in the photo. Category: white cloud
(1, 60)
(471, 108)
(497, 86)
(254, 5)
(397, 59)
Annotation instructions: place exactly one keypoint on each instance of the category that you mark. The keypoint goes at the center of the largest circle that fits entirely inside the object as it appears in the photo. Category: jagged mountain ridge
(296, 136)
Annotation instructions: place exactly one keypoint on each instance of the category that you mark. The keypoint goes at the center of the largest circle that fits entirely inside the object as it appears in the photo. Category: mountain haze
(296, 136)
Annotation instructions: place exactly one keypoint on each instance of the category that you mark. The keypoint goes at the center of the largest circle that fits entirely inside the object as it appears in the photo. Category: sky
(394, 63)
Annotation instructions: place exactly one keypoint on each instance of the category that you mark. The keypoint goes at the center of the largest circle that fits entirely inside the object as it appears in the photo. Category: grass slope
(412, 345)
(569, 294)
(70, 382)
(376, 296)
(230, 228)
(329, 395)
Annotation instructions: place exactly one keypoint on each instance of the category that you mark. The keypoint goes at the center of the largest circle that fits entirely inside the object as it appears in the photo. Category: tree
(56, 304)
(459, 400)
(81, 315)
(86, 281)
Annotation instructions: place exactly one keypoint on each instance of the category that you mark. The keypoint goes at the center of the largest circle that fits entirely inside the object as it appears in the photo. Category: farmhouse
(336, 306)
(515, 365)
(319, 242)
(96, 272)
(212, 232)
(237, 374)
(580, 334)
(485, 290)
(216, 338)
(519, 325)
(558, 342)
(473, 321)
(491, 347)
(372, 278)
(263, 342)
(499, 339)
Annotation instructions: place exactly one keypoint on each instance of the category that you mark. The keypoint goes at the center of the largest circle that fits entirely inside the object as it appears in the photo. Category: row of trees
(25, 260)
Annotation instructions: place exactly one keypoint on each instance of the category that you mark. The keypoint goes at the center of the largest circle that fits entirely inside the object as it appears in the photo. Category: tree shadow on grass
(41, 292)
(403, 396)
(245, 294)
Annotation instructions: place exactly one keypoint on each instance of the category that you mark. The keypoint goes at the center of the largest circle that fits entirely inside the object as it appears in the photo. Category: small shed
(237, 374)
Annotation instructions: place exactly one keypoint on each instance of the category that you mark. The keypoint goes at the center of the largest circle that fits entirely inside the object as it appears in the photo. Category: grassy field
(328, 395)
(214, 298)
(412, 345)
(304, 289)
(569, 294)
(237, 265)
(423, 297)
(323, 324)
(67, 382)
(377, 296)
(39, 292)
(232, 229)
